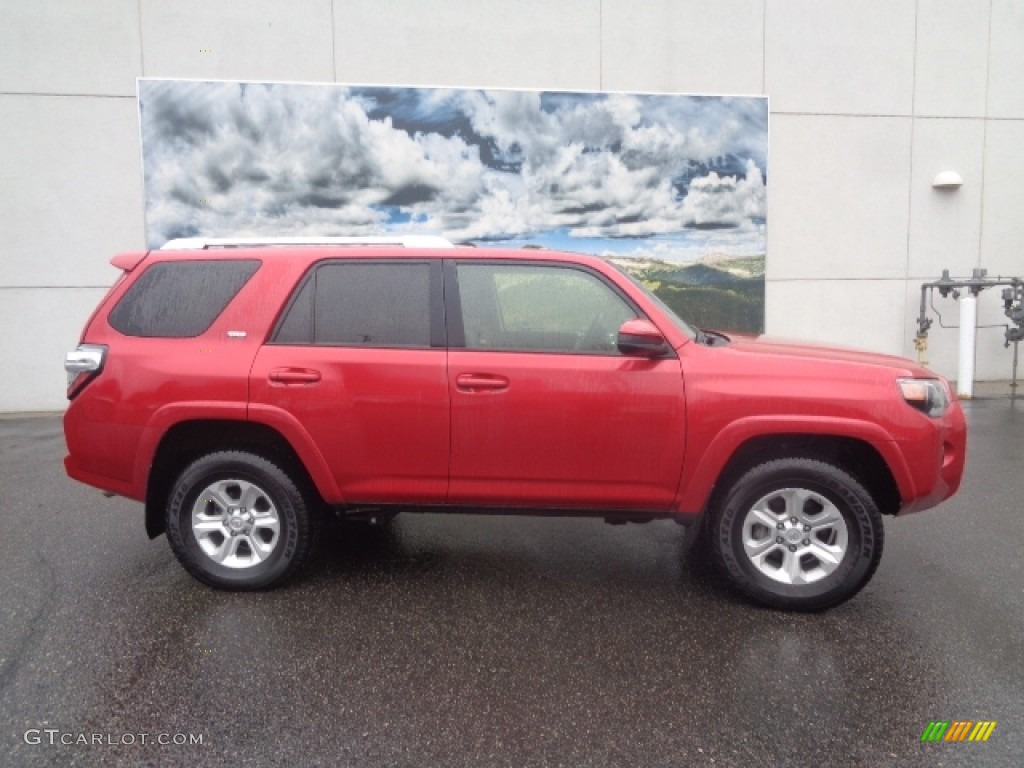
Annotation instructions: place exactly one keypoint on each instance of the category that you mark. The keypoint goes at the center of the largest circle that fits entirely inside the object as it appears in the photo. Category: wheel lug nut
(807, 528)
(792, 547)
(806, 542)
(780, 526)
(778, 539)
(792, 520)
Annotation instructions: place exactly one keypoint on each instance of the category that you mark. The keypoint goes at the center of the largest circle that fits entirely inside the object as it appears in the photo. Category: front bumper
(938, 462)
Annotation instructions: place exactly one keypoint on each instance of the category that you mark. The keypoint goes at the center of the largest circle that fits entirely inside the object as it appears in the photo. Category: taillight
(82, 365)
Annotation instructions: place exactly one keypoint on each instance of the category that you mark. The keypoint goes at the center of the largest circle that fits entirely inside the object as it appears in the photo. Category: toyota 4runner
(244, 389)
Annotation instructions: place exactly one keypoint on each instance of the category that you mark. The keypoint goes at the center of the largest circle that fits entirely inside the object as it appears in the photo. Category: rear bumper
(109, 484)
(100, 452)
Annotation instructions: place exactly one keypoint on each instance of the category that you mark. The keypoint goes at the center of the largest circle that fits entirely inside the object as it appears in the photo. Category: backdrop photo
(671, 186)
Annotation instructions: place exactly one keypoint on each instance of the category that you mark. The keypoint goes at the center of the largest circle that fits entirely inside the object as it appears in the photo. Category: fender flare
(282, 422)
(697, 483)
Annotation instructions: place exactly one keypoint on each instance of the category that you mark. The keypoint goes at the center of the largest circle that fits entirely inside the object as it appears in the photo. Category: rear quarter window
(180, 299)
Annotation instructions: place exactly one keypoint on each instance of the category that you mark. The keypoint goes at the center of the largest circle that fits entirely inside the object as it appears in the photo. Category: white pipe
(968, 334)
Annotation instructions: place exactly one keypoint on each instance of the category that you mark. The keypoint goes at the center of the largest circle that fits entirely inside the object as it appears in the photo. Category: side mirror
(639, 338)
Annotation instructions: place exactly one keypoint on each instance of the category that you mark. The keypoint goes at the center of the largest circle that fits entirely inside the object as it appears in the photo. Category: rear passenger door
(545, 409)
(358, 359)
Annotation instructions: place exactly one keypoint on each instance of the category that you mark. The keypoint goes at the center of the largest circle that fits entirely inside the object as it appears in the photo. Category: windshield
(677, 321)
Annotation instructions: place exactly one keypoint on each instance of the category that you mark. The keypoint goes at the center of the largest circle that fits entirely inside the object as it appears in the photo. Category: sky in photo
(674, 177)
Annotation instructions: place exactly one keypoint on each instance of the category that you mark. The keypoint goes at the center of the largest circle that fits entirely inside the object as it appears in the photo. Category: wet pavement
(484, 641)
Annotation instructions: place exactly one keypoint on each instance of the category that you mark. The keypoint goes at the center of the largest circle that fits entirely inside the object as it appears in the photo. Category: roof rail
(202, 243)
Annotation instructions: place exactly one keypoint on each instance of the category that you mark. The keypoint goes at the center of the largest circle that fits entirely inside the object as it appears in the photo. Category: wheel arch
(856, 456)
(186, 441)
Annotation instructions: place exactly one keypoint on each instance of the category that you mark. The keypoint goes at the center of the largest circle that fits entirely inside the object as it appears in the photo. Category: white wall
(869, 100)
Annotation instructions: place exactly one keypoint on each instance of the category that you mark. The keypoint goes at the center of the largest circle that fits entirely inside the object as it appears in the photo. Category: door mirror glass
(639, 338)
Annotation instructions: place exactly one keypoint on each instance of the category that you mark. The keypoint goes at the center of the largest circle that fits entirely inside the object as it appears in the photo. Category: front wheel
(237, 521)
(798, 534)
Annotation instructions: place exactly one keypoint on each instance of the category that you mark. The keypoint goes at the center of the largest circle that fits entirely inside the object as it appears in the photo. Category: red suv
(243, 389)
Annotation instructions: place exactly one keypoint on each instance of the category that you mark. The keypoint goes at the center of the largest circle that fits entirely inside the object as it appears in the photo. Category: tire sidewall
(196, 479)
(863, 535)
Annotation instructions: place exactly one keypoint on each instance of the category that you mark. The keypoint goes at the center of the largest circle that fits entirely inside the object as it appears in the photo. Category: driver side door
(546, 410)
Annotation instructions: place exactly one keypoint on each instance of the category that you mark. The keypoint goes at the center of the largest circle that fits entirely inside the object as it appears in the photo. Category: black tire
(782, 568)
(273, 537)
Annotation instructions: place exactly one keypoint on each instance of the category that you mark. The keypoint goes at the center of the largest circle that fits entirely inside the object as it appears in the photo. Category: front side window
(180, 299)
(670, 313)
(361, 304)
(539, 307)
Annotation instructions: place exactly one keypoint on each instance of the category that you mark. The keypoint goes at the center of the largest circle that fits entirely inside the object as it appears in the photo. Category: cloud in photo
(277, 159)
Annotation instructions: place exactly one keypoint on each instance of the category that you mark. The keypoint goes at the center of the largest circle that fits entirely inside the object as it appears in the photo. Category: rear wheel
(237, 521)
(798, 534)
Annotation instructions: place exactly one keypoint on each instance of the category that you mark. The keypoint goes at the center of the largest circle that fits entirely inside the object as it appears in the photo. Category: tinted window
(297, 326)
(358, 304)
(539, 307)
(181, 298)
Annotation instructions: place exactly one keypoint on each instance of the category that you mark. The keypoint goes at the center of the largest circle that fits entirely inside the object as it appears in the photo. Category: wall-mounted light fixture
(947, 180)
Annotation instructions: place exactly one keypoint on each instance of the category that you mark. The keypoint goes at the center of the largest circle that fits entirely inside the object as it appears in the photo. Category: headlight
(929, 396)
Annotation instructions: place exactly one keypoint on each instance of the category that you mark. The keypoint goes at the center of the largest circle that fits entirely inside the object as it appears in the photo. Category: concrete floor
(477, 641)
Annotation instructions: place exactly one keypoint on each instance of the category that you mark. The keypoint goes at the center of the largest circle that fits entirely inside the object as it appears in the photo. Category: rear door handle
(481, 382)
(294, 376)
